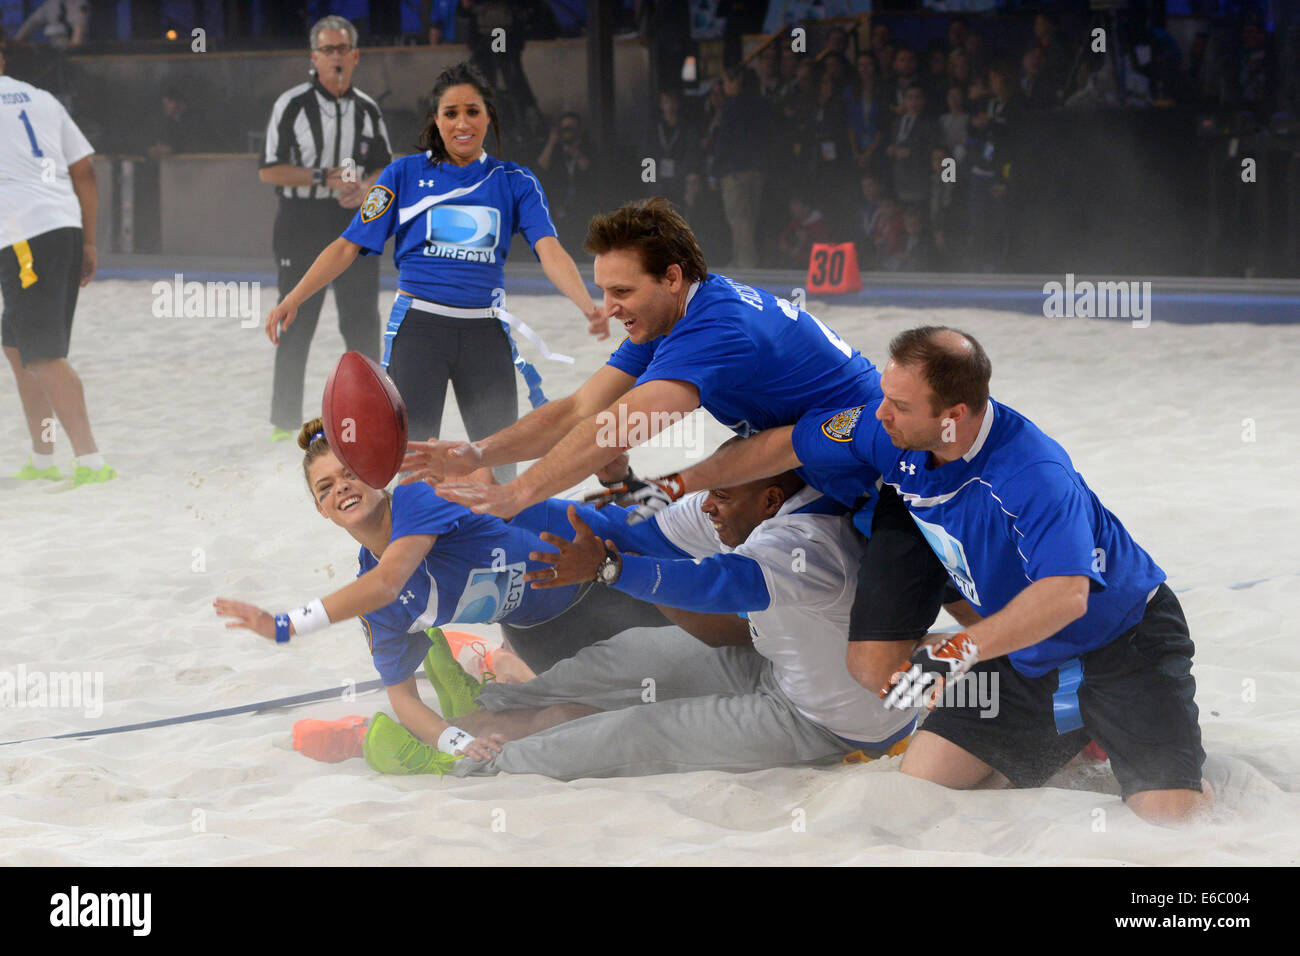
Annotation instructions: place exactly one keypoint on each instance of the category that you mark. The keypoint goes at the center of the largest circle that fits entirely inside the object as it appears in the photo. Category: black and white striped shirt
(310, 127)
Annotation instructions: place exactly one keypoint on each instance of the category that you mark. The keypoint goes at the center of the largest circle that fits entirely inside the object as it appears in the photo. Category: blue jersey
(474, 574)
(758, 362)
(1012, 511)
(453, 225)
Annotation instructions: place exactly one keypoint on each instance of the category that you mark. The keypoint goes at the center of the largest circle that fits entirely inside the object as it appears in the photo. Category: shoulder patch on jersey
(839, 427)
(376, 203)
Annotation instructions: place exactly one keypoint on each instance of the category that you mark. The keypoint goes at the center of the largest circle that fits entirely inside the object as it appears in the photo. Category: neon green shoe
(457, 691)
(391, 748)
(29, 472)
(279, 434)
(88, 476)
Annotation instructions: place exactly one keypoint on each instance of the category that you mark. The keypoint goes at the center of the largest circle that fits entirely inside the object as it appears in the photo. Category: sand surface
(118, 579)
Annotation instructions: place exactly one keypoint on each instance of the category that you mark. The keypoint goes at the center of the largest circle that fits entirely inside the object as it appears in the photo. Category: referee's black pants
(303, 228)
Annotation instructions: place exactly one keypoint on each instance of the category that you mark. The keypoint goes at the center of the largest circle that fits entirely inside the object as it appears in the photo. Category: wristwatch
(610, 569)
(318, 177)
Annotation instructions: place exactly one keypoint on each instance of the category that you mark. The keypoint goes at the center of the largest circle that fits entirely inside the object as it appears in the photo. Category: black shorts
(37, 320)
(1135, 699)
(900, 581)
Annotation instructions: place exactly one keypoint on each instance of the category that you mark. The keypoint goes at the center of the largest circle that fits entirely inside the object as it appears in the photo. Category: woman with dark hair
(453, 209)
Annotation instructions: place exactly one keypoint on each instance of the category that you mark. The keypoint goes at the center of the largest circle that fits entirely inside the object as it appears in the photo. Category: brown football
(365, 419)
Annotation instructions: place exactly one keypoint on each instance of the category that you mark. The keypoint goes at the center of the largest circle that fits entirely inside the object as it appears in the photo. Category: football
(365, 419)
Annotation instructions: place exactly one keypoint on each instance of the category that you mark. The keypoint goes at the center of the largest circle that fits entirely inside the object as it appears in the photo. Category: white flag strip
(532, 337)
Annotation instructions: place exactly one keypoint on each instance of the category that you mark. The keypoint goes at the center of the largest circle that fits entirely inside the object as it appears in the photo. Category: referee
(48, 203)
(325, 146)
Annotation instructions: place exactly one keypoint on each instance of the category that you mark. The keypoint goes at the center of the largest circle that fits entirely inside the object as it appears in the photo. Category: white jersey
(38, 143)
(810, 565)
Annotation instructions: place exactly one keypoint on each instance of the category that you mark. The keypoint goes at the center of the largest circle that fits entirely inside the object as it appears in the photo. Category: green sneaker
(87, 476)
(279, 434)
(30, 472)
(391, 748)
(457, 691)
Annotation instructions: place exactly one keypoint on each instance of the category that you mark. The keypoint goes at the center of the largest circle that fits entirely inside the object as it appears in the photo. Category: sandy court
(1186, 432)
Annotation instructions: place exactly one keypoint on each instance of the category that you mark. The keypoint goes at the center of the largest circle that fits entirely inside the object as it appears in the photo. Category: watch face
(608, 572)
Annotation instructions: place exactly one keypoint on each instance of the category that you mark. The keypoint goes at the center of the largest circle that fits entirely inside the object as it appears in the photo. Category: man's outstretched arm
(631, 420)
(530, 437)
(768, 453)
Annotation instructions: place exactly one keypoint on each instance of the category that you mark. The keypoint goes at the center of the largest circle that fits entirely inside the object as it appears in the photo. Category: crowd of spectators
(909, 152)
(906, 149)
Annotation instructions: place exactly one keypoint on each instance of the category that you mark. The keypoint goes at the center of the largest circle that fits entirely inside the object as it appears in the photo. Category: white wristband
(310, 618)
(453, 739)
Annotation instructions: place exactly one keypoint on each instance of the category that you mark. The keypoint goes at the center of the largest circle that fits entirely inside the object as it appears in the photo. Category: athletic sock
(94, 461)
(42, 462)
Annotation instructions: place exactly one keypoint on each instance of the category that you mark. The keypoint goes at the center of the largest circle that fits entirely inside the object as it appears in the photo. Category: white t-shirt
(810, 566)
(38, 141)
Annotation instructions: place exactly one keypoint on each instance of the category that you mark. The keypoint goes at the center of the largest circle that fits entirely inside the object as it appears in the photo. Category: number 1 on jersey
(31, 134)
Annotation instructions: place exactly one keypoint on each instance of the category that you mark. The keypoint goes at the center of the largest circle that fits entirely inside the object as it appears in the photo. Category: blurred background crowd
(944, 135)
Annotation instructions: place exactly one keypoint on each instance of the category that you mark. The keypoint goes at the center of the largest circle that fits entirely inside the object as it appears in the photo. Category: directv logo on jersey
(953, 555)
(462, 232)
(490, 594)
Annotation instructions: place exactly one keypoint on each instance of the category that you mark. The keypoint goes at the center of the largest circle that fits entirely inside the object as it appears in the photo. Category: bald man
(1076, 621)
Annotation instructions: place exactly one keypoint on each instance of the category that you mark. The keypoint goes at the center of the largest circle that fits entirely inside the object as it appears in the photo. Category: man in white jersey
(770, 692)
(48, 203)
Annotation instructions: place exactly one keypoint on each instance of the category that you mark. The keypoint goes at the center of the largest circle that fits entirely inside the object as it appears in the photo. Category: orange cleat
(330, 740)
(472, 654)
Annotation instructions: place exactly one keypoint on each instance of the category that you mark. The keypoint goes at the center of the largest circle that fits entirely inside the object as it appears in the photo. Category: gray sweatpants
(671, 704)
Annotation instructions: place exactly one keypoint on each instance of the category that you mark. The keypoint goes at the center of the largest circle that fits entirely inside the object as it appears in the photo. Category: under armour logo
(908, 468)
(406, 596)
(285, 263)
(426, 182)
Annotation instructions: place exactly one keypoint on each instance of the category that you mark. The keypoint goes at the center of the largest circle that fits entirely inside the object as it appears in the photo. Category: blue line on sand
(261, 705)
(370, 685)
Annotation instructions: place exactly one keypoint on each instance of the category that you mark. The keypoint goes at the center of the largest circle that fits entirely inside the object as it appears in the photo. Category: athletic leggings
(474, 356)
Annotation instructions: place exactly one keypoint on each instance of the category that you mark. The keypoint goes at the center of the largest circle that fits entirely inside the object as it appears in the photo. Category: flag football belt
(26, 274)
(532, 378)
(451, 312)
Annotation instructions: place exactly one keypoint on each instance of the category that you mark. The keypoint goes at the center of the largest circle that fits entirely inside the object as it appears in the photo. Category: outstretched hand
(483, 498)
(573, 562)
(437, 460)
(246, 616)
